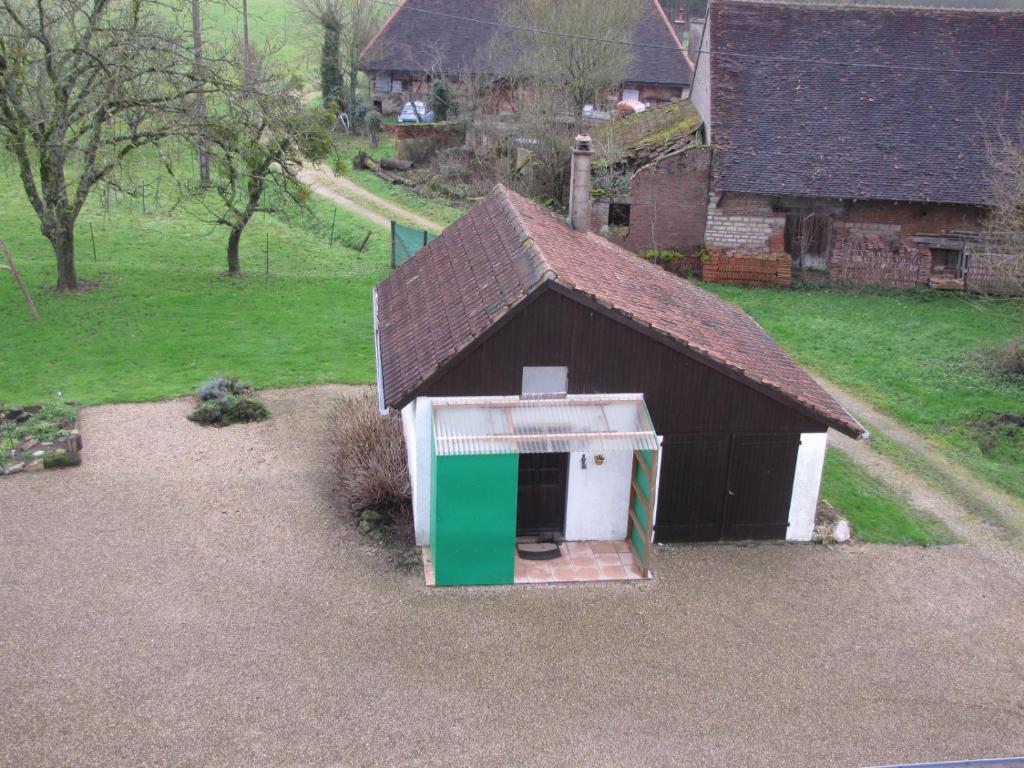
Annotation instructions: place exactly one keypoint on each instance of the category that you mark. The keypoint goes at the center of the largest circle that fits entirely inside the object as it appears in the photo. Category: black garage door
(716, 487)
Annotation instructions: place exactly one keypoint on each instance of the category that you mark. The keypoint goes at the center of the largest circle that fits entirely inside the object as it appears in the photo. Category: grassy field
(273, 25)
(875, 513)
(919, 356)
(162, 317)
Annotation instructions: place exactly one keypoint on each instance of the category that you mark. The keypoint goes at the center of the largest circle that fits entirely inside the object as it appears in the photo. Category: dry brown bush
(371, 461)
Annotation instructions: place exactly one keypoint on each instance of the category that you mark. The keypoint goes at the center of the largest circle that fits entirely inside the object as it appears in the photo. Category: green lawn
(875, 513)
(163, 317)
(915, 355)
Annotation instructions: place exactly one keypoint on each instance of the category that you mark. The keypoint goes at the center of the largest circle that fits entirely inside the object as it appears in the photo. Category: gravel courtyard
(195, 596)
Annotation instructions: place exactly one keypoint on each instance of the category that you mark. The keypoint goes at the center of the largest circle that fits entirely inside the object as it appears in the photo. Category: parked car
(416, 112)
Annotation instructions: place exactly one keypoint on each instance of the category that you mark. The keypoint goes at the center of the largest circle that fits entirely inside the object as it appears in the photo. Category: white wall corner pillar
(810, 463)
(420, 465)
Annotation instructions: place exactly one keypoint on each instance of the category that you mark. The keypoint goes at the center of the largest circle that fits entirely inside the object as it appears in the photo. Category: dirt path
(362, 202)
(970, 516)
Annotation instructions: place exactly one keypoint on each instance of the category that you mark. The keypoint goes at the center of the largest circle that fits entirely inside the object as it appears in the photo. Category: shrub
(1009, 360)
(371, 457)
(374, 125)
(442, 100)
(217, 388)
(229, 409)
(357, 113)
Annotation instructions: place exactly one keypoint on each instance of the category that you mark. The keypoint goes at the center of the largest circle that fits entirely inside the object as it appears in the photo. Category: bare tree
(200, 79)
(83, 83)
(573, 57)
(259, 137)
(1002, 251)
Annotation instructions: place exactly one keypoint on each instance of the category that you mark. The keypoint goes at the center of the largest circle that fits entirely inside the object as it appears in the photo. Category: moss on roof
(648, 135)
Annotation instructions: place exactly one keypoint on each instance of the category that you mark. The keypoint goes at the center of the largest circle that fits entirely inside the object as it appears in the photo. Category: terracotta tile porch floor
(579, 561)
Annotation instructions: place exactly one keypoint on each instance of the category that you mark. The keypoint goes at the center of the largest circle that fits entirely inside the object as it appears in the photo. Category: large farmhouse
(426, 39)
(856, 139)
(552, 383)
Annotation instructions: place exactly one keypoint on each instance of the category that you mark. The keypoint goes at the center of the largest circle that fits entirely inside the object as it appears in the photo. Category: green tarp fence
(406, 241)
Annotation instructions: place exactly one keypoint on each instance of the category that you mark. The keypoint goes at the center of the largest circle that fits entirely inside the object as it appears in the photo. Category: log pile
(387, 168)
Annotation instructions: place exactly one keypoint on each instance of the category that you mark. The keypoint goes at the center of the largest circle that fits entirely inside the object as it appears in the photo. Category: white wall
(421, 427)
(810, 462)
(411, 449)
(598, 498)
(700, 89)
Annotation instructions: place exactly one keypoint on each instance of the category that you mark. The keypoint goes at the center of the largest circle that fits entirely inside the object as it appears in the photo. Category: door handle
(731, 493)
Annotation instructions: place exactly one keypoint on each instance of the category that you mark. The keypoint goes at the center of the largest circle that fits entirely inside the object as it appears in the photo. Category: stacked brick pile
(741, 268)
(875, 259)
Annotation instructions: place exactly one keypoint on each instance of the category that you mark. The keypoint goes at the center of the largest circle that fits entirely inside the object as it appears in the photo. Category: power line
(702, 51)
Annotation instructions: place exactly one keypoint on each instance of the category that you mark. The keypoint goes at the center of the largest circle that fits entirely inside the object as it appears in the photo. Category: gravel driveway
(192, 596)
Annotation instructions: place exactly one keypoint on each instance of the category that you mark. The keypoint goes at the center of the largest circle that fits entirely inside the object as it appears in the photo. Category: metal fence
(406, 241)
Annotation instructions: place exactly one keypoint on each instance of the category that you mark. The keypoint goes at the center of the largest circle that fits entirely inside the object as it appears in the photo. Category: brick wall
(877, 258)
(738, 268)
(668, 205)
(995, 274)
(914, 218)
(741, 222)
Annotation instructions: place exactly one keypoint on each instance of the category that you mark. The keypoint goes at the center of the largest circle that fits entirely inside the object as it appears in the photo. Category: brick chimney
(579, 184)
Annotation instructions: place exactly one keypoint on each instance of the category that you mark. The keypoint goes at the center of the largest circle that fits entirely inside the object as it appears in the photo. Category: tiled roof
(437, 303)
(790, 116)
(423, 36)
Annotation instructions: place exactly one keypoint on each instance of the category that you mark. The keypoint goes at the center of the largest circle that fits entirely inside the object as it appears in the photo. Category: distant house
(854, 138)
(424, 39)
(553, 384)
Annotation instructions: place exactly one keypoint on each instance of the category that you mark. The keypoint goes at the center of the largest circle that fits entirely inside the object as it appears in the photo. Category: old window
(382, 82)
(808, 238)
(948, 261)
(545, 381)
(618, 215)
(631, 94)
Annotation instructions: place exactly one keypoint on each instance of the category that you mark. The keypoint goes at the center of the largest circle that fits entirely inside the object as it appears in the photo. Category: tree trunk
(353, 85)
(197, 50)
(234, 267)
(246, 51)
(62, 237)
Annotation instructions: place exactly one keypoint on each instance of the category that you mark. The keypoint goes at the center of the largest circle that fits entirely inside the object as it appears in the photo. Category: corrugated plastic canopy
(594, 425)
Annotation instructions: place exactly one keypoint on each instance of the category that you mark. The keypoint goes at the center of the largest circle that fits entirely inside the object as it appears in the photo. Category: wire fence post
(333, 218)
(268, 255)
(93, 236)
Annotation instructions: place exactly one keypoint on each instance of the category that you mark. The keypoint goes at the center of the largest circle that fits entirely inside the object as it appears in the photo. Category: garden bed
(39, 437)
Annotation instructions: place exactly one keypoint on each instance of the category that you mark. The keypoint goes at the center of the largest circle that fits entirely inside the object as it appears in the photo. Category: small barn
(554, 385)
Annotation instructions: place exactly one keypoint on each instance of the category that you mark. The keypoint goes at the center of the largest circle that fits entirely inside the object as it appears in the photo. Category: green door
(473, 518)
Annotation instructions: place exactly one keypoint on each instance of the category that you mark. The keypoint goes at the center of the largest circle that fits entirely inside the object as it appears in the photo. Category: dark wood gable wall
(604, 355)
